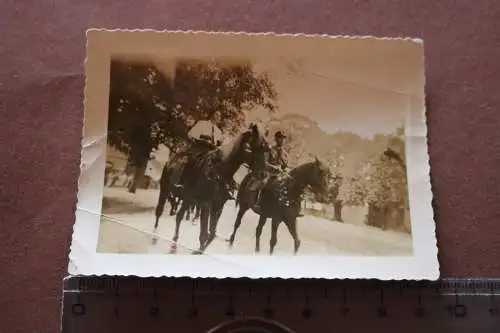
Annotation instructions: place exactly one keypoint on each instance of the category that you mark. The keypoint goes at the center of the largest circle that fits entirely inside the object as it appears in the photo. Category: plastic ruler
(152, 305)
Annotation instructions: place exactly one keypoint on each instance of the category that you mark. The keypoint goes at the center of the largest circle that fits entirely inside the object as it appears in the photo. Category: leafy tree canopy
(148, 108)
(220, 93)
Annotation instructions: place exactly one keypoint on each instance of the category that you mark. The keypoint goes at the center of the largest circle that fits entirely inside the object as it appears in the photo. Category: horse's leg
(258, 232)
(178, 219)
(215, 213)
(197, 213)
(292, 228)
(237, 223)
(178, 201)
(204, 216)
(188, 213)
(191, 211)
(161, 205)
(274, 234)
(173, 204)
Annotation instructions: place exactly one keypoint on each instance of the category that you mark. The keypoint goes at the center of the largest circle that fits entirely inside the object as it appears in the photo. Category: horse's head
(318, 178)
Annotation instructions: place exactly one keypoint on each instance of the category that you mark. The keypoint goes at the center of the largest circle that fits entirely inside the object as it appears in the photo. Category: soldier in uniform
(207, 142)
(276, 164)
(277, 158)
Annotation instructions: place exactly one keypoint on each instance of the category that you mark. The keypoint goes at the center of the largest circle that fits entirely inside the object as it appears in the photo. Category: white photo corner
(227, 155)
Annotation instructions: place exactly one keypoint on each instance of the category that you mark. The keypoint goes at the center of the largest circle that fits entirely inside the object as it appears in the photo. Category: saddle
(260, 179)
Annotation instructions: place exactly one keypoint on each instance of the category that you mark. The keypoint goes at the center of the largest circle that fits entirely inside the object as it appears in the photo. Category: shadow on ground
(120, 206)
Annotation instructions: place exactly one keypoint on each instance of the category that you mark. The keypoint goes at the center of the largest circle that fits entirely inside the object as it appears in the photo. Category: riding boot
(257, 204)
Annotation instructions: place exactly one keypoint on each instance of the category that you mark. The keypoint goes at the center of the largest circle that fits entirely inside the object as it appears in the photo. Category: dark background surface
(41, 94)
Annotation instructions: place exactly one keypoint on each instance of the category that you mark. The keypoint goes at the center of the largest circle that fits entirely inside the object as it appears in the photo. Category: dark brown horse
(207, 174)
(170, 181)
(280, 200)
(169, 189)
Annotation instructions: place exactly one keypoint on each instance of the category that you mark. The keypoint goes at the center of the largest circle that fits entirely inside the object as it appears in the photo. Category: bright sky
(365, 103)
(364, 86)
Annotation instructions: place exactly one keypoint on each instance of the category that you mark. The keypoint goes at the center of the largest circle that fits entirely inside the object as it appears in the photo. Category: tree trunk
(374, 215)
(140, 164)
(133, 185)
(138, 178)
(337, 207)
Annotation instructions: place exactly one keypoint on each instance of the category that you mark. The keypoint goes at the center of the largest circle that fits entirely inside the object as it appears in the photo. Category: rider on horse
(205, 143)
(275, 165)
(277, 158)
(199, 145)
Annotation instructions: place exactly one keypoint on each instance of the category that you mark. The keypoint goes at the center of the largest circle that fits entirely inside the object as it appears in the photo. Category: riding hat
(205, 137)
(279, 134)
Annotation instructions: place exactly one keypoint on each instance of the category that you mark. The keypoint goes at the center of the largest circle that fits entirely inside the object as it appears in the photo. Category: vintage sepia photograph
(257, 155)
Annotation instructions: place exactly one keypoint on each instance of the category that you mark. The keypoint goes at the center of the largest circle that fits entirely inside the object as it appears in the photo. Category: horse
(170, 188)
(281, 199)
(194, 209)
(206, 176)
(170, 177)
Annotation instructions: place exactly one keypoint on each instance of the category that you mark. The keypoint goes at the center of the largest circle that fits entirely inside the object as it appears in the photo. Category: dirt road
(128, 219)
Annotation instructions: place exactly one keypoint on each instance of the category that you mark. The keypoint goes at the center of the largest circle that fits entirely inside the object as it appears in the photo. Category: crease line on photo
(358, 83)
(89, 142)
(117, 221)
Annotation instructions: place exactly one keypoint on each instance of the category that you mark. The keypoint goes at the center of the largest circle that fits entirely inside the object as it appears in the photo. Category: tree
(387, 188)
(148, 108)
(352, 191)
(219, 93)
(139, 96)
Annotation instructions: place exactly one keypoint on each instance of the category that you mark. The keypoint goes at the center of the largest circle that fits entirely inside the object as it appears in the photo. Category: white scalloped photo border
(84, 260)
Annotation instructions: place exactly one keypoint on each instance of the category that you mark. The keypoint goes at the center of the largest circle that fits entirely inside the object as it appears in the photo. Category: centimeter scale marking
(129, 304)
